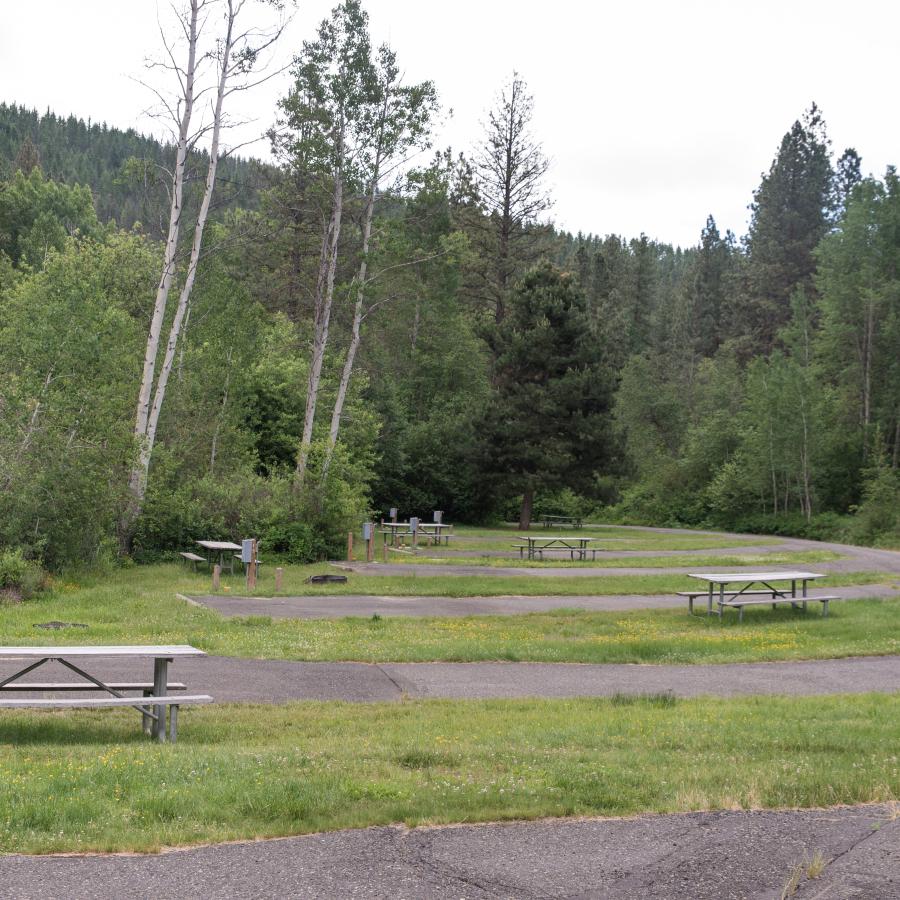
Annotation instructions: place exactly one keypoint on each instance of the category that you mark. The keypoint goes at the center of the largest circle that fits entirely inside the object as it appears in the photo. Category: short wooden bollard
(279, 577)
(349, 546)
(370, 546)
(217, 574)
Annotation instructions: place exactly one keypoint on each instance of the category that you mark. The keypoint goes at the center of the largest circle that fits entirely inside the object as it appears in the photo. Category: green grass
(612, 562)
(87, 780)
(480, 539)
(139, 606)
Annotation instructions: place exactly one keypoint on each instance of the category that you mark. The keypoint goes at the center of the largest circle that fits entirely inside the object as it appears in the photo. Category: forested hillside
(357, 339)
(124, 169)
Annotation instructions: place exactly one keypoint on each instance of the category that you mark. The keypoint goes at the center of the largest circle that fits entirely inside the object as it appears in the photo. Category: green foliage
(877, 520)
(37, 216)
(297, 542)
(20, 577)
(68, 342)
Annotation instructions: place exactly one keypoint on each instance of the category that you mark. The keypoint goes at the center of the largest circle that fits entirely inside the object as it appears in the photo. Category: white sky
(654, 113)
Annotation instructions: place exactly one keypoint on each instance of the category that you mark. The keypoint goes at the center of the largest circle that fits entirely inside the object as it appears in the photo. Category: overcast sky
(654, 114)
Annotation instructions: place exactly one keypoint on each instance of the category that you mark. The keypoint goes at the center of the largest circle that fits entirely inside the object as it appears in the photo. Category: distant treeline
(123, 169)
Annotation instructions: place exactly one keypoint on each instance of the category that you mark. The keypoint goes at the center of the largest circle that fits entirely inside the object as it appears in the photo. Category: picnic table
(435, 531)
(152, 704)
(574, 521)
(220, 548)
(577, 546)
(395, 530)
(740, 589)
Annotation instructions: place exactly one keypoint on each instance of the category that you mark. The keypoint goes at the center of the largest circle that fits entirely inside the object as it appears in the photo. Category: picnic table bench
(153, 703)
(193, 558)
(436, 532)
(574, 521)
(718, 591)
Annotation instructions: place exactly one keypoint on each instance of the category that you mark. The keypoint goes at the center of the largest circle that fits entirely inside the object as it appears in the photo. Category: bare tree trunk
(895, 455)
(147, 422)
(804, 468)
(221, 416)
(867, 373)
(184, 329)
(347, 371)
(525, 513)
(324, 297)
(415, 327)
(137, 480)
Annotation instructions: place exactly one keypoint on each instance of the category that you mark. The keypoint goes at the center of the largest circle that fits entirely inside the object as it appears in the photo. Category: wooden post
(217, 574)
(384, 549)
(349, 546)
(251, 568)
(279, 575)
(370, 545)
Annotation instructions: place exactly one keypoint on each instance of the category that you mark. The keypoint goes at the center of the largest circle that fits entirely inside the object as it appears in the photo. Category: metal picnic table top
(219, 545)
(158, 651)
(554, 538)
(750, 577)
(152, 706)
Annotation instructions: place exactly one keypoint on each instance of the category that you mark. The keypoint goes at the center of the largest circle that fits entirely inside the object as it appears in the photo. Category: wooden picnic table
(740, 589)
(152, 705)
(575, 545)
(220, 548)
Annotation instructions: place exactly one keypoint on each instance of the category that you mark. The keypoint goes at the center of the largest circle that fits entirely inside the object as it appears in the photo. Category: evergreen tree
(791, 212)
(548, 423)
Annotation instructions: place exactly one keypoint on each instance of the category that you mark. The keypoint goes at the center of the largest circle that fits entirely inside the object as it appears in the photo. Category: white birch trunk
(193, 262)
(137, 481)
(324, 297)
(358, 309)
(148, 419)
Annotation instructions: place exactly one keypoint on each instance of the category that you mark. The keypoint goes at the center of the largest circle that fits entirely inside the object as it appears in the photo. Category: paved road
(232, 679)
(336, 606)
(695, 856)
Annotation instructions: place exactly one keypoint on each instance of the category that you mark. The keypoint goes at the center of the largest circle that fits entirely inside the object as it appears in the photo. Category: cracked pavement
(687, 856)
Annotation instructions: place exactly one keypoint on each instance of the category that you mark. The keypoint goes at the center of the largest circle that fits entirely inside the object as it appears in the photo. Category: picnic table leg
(160, 686)
(722, 601)
(173, 723)
(709, 600)
(146, 721)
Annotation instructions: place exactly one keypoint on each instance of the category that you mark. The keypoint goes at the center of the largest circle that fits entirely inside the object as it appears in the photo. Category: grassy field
(139, 605)
(424, 557)
(79, 781)
(504, 538)
(88, 780)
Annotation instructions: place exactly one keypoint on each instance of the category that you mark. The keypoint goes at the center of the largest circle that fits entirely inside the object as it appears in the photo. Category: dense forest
(369, 323)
